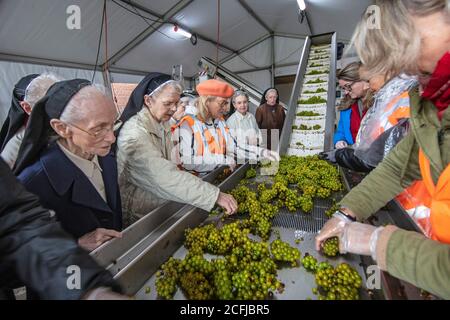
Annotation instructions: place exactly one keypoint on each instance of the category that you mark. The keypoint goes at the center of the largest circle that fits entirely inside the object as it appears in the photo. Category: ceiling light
(301, 4)
(182, 32)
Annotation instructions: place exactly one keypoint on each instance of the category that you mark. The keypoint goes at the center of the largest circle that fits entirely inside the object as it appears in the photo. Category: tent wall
(261, 79)
(125, 78)
(11, 72)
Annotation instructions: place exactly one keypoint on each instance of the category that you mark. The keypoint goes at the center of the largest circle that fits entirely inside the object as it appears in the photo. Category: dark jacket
(64, 188)
(34, 249)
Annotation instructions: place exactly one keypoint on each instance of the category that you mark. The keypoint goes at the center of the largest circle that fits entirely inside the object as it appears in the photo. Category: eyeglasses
(102, 132)
(223, 104)
(348, 87)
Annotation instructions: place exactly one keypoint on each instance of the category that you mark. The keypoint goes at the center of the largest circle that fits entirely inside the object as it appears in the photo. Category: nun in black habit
(83, 191)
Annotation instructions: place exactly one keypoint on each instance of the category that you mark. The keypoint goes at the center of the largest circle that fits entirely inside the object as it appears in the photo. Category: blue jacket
(64, 188)
(343, 132)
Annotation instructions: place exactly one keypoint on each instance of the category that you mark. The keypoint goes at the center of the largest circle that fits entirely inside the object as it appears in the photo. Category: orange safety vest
(204, 142)
(438, 199)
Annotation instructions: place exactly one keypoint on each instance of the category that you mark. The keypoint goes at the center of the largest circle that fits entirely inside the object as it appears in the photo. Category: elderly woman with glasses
(65, 159)
(354, 106)
(148, 174)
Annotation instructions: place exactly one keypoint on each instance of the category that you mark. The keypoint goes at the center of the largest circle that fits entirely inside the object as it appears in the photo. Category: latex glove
(227, 202)
(104, 293)
(94, 239)
(270, 155)
(332, 228)
(360, 238)
(329, 156)
(341, 144)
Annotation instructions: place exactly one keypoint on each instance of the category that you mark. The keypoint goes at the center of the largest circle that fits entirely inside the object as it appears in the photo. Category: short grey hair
(72, 112)
(270, 91)
(38, 87)
(175, 85)
(239, 93)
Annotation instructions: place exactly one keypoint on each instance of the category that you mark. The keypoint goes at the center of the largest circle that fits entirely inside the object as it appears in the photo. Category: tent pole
(272, 44)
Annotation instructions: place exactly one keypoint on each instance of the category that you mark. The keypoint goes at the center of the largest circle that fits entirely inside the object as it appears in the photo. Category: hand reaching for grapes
(227, 202)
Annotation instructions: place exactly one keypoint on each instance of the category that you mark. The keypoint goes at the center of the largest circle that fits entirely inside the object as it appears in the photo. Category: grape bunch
(309, 263)
(340, 283)
(196, 286)
(167, 277)
(283, 252)
(331, 247)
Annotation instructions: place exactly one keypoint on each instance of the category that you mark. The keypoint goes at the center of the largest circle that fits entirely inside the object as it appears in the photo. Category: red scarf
(438, 88)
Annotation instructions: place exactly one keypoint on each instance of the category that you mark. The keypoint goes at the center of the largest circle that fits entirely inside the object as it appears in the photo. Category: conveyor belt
(139, 277)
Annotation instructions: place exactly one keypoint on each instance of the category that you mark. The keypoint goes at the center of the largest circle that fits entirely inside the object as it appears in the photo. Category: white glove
(270, 155)
(332, 228)
(341, 144)
(360, 238)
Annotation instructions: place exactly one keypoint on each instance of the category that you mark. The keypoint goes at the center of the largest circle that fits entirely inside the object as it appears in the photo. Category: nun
(25, 96)
(65, 160)
(148, 174)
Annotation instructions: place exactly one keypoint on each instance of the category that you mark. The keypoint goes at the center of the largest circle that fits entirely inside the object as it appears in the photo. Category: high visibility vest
(204, 142)
(438, 200)
(410, 198)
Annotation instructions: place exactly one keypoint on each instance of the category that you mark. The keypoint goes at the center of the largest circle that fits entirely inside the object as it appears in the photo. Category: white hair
(271, 91)
(73, 112)
(38, 87)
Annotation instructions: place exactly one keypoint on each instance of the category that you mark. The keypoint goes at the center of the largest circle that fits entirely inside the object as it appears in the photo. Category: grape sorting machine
(147, 244)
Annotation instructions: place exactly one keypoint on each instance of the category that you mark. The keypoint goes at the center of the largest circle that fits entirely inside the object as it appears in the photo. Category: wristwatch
(346, 215)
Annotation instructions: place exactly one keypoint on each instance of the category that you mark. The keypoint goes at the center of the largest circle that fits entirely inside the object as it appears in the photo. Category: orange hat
(215, 88)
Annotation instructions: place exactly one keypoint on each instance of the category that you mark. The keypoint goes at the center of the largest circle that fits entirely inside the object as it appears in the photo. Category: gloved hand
(341, 144)
(360, 238)
(270, 155)
(332, 228)
(328, 155)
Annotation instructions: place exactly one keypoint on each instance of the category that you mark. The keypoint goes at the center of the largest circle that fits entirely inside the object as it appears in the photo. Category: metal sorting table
(139, 274)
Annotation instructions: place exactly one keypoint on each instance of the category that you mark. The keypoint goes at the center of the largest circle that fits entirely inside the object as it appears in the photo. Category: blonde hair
(350, 72)
(200, 103)
(393, 48)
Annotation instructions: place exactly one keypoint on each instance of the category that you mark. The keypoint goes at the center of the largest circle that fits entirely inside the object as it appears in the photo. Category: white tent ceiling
(37, 29)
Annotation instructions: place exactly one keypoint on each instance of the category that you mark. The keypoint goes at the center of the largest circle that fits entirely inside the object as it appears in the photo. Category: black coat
(35, 251)
(64, 188)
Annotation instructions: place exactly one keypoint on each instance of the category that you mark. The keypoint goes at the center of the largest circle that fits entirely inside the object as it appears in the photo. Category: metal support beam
(64, 64)
(245, 48)
(255, 16)
(266, 68)
(308, 24)
(150, 30)
(272, 67)
(166, 18)
(289, 35)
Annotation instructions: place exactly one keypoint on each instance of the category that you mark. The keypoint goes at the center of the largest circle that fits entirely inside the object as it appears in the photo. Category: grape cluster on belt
(340, 283)
(331, 247)
(247, 268)
(283, 252)
(247, 271)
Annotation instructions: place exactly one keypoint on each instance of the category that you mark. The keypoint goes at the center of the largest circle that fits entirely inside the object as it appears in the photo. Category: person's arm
(346, 158)
(339, 135)
(384, 182)
(416, 259)
(148, 169)
(41, 253)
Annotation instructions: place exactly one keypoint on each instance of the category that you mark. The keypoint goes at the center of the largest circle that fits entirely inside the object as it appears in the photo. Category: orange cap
(215, 88)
